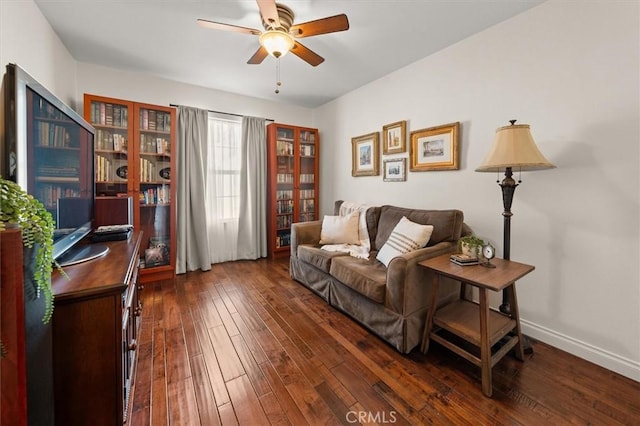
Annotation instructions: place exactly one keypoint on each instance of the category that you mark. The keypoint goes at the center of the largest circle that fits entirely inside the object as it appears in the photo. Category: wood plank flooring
(243, 344)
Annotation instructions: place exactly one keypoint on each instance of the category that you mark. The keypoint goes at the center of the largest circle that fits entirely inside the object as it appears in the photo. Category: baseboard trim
(599, 356)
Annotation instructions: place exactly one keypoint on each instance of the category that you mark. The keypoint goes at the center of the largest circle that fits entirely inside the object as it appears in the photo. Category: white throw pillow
(340, 229)
(407, 236)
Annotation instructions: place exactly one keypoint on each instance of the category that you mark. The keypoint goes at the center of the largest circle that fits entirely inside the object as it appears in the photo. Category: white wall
(28, 40)
(99, 80)
(571, 71)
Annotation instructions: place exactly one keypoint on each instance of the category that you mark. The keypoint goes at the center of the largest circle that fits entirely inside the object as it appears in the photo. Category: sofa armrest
(305, 233)
(408, 284)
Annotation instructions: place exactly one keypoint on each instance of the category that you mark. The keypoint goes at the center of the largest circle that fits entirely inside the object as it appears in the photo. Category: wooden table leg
(485, 348)
(432, 310)
(515, 314)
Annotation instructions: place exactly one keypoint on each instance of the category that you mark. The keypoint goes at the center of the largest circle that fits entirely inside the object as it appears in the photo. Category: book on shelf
(52, 135)
(60, 171)
(109, 115)
(152, 120)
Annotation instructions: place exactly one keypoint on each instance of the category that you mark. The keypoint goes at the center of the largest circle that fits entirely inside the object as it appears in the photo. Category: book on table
(464, 259)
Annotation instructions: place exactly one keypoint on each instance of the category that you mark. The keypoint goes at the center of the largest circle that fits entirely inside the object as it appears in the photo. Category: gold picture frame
(365, 155)
(394, 138)
(435, 148)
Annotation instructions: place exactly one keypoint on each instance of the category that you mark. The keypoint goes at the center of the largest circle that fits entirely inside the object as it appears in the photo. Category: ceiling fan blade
(331, 24)
(227, 27)
(269, 12)
(259, 56)
(306, 54)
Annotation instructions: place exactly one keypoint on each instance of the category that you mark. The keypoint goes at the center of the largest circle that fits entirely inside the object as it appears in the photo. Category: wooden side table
(475, 322)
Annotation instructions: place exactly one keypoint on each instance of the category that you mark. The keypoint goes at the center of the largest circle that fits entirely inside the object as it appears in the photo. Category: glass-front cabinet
(293, 182)
(133, 158)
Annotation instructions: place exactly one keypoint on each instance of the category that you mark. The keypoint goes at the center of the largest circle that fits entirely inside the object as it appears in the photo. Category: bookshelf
(133, 158)
(293, 182)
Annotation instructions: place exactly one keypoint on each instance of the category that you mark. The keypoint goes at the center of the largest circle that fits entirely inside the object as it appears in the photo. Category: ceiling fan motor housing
(286, 19)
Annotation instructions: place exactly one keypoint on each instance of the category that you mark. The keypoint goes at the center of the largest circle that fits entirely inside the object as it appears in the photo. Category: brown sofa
(391, 302)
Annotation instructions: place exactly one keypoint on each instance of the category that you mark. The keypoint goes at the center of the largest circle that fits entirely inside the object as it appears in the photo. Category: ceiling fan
(279, 34)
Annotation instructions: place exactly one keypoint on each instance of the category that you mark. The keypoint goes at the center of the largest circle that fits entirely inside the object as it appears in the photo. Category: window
(224, 167)
(222, 193)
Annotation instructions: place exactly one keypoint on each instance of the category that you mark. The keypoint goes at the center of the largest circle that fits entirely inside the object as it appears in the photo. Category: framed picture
(394, 138)
(365, 155)
(394, 170)
(435, 148)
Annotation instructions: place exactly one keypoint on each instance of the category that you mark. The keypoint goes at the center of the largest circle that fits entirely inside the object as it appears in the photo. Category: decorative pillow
(340, 229)
(407, 236)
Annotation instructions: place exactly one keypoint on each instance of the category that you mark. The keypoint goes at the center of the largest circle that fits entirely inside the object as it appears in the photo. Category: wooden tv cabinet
(95, 324)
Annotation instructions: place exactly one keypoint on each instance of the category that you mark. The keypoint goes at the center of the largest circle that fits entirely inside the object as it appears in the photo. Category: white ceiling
(161, 37)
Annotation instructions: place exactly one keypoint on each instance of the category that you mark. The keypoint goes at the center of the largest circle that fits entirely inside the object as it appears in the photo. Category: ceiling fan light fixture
(277, 43)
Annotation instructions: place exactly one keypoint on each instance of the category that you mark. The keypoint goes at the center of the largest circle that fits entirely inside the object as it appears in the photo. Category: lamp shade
(514, 147)
(277, 43)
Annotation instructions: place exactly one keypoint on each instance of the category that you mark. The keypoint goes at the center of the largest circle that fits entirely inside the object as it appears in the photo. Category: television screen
(48, 151)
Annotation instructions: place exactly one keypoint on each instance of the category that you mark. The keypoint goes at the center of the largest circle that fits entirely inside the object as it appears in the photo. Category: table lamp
(513, 149)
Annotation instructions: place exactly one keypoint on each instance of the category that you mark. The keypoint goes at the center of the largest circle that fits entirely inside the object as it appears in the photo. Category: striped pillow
(407, 236)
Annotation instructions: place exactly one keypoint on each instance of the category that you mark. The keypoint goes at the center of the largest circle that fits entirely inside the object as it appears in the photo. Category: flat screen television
(47, 149)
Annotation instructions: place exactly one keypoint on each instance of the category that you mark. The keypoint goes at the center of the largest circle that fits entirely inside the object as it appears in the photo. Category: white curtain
(252, 232)
(192, 244)
(223, 183)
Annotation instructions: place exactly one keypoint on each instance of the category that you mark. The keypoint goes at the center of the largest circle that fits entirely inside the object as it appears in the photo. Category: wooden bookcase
(134, 147)
(292, 168)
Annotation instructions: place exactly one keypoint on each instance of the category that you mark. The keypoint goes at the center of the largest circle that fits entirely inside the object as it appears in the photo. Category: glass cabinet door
(285, 185)
(307, 176)
(154, 178)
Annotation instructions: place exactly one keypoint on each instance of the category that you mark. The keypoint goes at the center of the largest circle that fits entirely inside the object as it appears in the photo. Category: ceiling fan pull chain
(278, 82)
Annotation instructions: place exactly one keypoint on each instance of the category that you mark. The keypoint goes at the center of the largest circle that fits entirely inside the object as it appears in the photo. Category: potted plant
(37, 226)
(470, 245)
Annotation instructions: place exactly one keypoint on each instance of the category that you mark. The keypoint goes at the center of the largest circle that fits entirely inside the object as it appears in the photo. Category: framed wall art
(365, 155)
(435, 148)
(394, 138)
(394, 170)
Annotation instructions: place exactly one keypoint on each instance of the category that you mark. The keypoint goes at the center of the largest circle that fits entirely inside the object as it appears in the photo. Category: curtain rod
(225, 113)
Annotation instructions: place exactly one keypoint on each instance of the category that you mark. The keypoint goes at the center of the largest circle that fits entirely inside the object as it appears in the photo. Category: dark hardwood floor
(244, 344)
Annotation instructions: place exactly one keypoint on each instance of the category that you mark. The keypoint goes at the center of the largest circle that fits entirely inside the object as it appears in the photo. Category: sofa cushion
(447, 224)
(317, 257)
(340, 229)
(367, 277)
(407, 236)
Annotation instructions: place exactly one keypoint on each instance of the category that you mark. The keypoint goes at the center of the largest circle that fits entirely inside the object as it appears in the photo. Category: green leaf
(37, 227)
